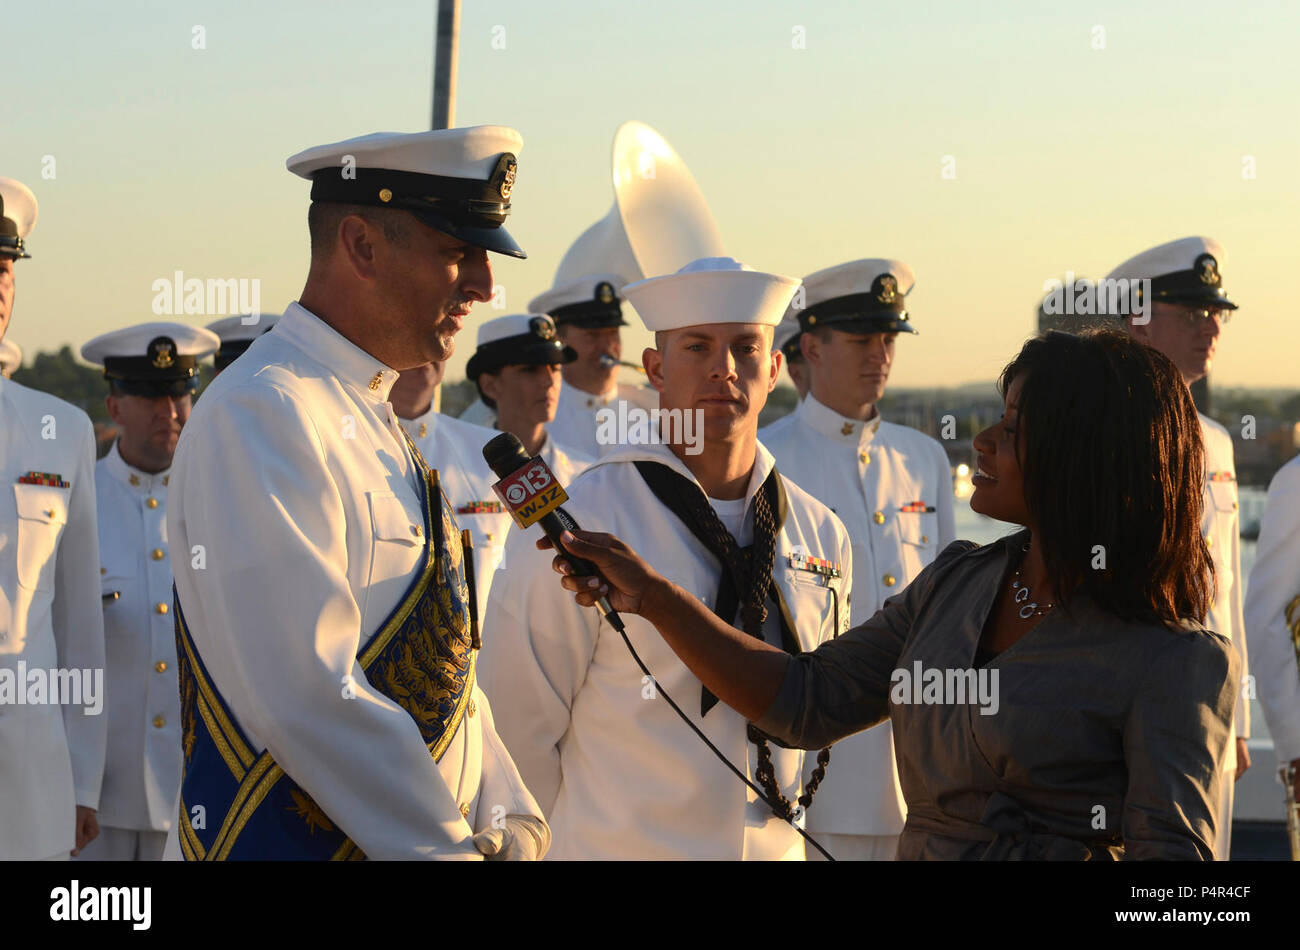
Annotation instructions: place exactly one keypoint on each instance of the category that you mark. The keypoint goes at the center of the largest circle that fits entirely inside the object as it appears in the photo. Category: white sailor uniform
(142, 773)
(1273, 610)
(891, 486)
(1220, 525)
(619, 775)
(51, 755)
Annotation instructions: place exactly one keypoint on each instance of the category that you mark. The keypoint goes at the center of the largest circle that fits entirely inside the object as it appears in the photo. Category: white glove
(521, 838)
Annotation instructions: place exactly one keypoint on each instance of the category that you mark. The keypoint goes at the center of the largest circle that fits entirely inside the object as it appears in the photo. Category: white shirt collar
(836, 427)
(763, 463)
(421, 425)
(371, 377)
(132, 477)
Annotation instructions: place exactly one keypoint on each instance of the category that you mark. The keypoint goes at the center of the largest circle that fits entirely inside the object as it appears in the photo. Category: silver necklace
(1021, 596)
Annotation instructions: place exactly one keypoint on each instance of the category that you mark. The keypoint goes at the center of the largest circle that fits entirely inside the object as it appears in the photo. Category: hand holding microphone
(629, 584)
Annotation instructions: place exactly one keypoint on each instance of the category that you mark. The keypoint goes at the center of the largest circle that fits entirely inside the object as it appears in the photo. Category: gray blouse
(1090, 737)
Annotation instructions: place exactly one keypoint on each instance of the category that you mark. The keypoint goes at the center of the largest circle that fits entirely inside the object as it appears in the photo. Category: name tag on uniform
(814, 565)
(51, 479)
(481, 508)
(916, 507)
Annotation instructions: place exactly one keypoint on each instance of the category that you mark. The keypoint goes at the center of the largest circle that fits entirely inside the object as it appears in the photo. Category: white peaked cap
(457, 181)
(1185, 271)
(235, 330)
(18, 205)
(592, 291)
(11, 357)
(711, 290)
(516, 324)
(450, 153)
(133, 342)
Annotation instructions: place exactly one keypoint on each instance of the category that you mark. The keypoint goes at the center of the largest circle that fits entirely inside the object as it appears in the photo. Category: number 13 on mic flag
(530, 493)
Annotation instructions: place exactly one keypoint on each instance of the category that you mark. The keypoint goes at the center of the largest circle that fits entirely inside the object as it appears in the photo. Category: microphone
(533, 495)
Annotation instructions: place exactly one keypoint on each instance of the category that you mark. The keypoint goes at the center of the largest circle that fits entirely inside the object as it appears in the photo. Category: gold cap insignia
(1207, 268)
(507, 184)
(162, 353)
(888, 289)
(385, 195)
(543, 327)
(605, 292)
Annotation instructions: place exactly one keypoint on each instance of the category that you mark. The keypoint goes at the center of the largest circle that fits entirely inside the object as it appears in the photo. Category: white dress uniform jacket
(1274, 584)
(575, 421)
(867, 473)
(294, 483)
(142, 774)
(618, 773)
(51, 756)
(1220, 526)
(455, 448)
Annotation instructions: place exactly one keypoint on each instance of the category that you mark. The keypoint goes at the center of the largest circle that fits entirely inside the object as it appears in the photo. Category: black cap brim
(496, 239)
(1209, 300)
(889, 324)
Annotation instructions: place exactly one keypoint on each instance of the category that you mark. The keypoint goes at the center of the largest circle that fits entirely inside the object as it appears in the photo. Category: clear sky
(168, 157)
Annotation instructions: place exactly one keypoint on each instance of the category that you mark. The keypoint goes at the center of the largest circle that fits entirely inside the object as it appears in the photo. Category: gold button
(160, 608)
(156, 554)
(1234, 506)
(415, 530)
(151, 503)
(160, 666)
(424, 429)
(472, 708)
(489, 538)
(134, 479)
(159, 722)
(49, 512)
(464, 809)
(889, 580)
(846, 429)
(864, 458)
(1209, 542)
(925, 539)
(878, 517)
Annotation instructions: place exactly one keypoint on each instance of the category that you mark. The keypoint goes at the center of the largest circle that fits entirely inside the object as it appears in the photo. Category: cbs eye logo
(516, 493)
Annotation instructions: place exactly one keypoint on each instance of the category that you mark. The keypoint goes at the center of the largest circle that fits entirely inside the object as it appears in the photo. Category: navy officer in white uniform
(891, 486)
(517, 371)
(1188, 309)
(51, 752)
(324, 620)
(152, 371)
(619, 774)
(588, 315)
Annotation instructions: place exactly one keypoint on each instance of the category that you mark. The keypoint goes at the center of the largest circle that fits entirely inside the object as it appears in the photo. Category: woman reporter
(1112, 703)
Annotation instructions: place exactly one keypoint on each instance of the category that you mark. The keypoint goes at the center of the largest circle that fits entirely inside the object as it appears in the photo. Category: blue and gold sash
(238, 804)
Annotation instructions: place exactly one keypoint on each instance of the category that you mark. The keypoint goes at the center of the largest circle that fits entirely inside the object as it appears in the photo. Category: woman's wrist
(657, 599)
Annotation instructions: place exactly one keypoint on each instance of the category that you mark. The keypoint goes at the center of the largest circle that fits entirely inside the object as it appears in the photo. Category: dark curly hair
(1111, 455)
